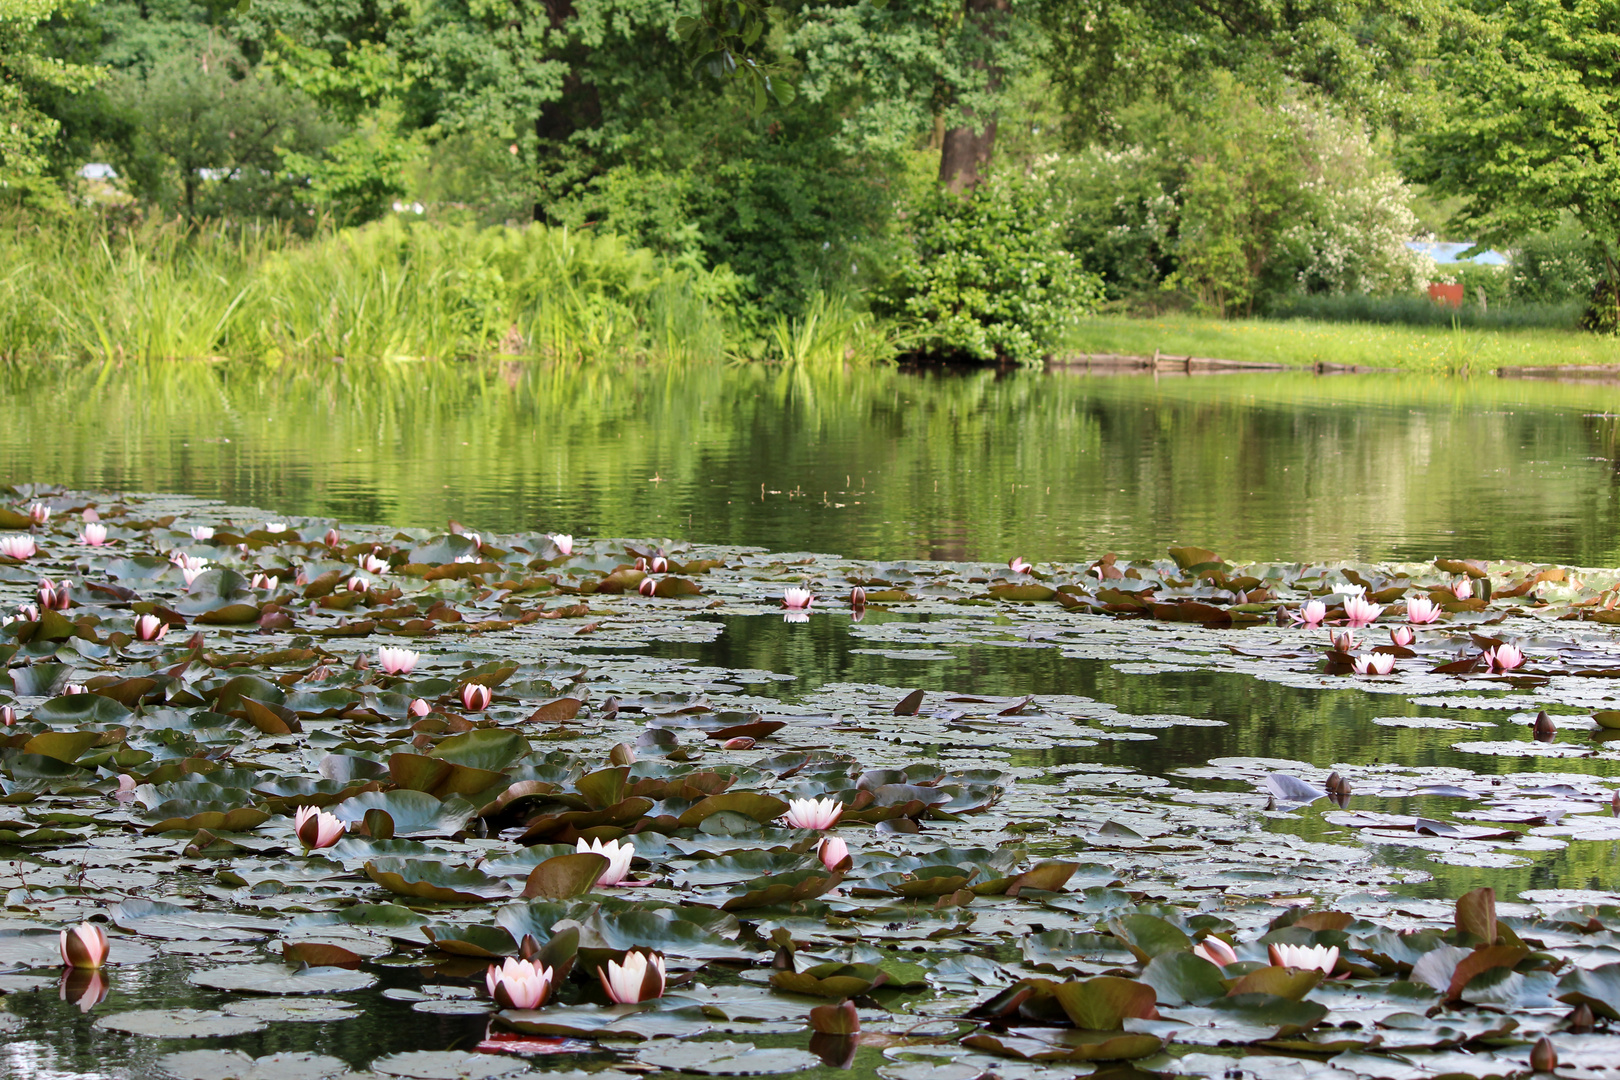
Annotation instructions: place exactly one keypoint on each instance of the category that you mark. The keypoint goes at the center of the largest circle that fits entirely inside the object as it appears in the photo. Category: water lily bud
(1543, 727)
(659, 565)
(640, 978)
(1215, 951)
(564, 542)
(39, 513)
(1019, 566)
(1581, 1018)
(420, 707)
(743, 742)
(89, 514)
(475, 697)
(641, 564)
(832, 851)
(1462, 589)
(84, 946)
(316, 828)
(150, 628)
(647, 587)
(857, 598)
(1543, 1055)
(331, 538)
(8, 715)
(73, 688)
(1402, 636)
(260, 581)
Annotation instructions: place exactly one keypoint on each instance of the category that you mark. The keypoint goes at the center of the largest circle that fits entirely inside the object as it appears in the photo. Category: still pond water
(873, 465)
(881, 466)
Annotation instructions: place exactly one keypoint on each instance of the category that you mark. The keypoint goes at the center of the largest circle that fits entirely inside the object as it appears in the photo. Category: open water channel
(885, 475)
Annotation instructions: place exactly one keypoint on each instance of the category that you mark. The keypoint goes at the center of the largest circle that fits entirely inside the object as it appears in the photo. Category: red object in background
(1447, 294)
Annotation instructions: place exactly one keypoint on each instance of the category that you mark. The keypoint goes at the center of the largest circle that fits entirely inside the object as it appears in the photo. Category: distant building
(98, 171)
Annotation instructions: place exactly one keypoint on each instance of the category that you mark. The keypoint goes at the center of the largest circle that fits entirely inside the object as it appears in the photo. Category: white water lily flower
(813, 813)
(797, 598)
(519, 984)
(397, 661)
(639, 978)
(1305, 957)
(617, 854)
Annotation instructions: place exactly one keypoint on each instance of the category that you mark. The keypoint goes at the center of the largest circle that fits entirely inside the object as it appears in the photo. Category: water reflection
(872, 464)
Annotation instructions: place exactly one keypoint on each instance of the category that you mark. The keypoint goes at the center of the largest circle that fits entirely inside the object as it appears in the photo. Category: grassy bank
(1303, 343)
(393, 289)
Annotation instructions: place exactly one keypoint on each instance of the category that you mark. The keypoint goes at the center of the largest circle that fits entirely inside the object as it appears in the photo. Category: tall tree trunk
(965, 154)
(579, 107)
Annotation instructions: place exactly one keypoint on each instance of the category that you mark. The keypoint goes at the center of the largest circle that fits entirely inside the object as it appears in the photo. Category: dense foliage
(1228, 157)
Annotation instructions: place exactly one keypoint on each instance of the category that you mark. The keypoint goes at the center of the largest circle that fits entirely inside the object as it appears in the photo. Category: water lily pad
(179, 1023)
(235, 1065)
(276, 979)
(728, 1059)
(447, 1065)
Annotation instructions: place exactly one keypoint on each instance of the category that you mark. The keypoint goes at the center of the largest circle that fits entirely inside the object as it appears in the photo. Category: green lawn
(1302, 343)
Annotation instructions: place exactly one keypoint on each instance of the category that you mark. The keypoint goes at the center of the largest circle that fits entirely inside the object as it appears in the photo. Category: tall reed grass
(391, 289)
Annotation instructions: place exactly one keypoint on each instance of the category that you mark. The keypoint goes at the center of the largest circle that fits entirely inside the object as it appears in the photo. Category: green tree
(1531, 126)
(27, 132)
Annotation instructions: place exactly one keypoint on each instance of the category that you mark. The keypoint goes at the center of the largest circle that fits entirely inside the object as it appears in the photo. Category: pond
(1107, 759)
(880, 465)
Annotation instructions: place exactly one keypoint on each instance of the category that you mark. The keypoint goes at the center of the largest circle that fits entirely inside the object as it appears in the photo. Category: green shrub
(1421, 311)
(987, 276)
(1556, 266)
(1602, 314)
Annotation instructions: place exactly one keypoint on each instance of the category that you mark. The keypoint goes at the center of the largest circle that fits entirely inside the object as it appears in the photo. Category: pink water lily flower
(275, 526)
(1305, 957)
(1310, 613)
(1462, 589)
(395, 661)
(1503, 658)
(84, 946)
(1215, 951)
(18, 546)
(94, 534)
(418, 707)
(1345, 642)
(1361, 611)
(73, 688)
(797, 598)
(1019, 566)
(372, 564)
(316, 828)
(39, 513)
(564, 543)
(519, 984)
(1402, 635)
(617, 854)
(259, 581)
(28, 612)
(1373, 664)
(813, 813)
(1421, 610)
(202, 532)
(357, 584)
(639, 978)
(832, 851)
(475, 697)
(150, 628)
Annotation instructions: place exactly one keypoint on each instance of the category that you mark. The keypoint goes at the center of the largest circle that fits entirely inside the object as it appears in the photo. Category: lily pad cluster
(481, 715)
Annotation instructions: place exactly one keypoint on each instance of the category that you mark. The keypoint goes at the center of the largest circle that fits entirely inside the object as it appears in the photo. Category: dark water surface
(875, 465)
